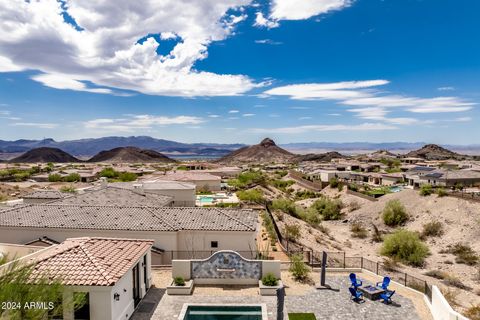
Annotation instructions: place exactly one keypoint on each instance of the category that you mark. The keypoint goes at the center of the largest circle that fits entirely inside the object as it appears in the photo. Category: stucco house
(177, 232)
(202, 180)
(114, 274)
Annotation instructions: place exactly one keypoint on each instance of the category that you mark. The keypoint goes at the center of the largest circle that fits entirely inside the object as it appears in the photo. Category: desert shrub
(358, 231)
(248, 178)
(306, 194)
(354, 205)
(340, 186)
(426, 189)
(437, 274)
(268, 224)
(473, 313)
(441, 192)
(108, 173)
(72, 177)
(269, 280)
(464, 254)
(323, 229)
(253, 195)
(432, 229)
(376, 235)
(298, 268)
(405, 246)
(288, 207)
(179, 281)
(353, 187)
(327, 208)
(70, 189)
(282, 184)
(394, 213)
(312, 217)
(127, 176)
(453, 281)
(54, 177)
(333, 183)
(292, 232)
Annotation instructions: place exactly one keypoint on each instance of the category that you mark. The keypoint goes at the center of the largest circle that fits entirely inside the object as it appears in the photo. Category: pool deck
(326, 304)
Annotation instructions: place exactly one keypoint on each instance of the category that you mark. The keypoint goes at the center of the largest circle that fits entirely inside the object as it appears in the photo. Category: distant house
(202, 180)
(115, 274)
(389, 179)
(450, 178)
(183, 231)
(182, 193)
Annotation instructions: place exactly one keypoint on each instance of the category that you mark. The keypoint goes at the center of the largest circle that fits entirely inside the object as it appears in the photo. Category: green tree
(426, 189)
(329, 209)
(292, 232)
(298, 268)
(394, 213)
(18, 285)
(108, 173)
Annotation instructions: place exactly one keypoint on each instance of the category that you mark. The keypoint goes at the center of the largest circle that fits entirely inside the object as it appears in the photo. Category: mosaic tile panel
(226, 265)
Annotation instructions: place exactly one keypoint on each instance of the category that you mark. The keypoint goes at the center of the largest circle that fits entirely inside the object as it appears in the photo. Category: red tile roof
(90, 261)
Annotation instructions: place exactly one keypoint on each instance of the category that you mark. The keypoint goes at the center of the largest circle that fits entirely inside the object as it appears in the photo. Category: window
(214, 244)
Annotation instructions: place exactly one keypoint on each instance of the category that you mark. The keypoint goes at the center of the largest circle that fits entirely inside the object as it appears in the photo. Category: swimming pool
(223, 312)
(205, 199)
(396, 189)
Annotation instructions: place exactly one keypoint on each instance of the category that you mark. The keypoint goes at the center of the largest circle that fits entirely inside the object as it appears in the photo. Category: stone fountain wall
(226, 265)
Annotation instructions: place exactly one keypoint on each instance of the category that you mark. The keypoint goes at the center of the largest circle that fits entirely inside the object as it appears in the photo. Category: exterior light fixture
(116, 297)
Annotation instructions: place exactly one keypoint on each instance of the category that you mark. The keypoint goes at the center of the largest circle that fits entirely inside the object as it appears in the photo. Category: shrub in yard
(179, 281)
(73, 177)
(127, 176)
(298, 268)
(426, 190)
(358, 231)
(54, 177)
(269, 280)
(394, 213)
(253, 196)
(405, 246)
(432, 229)
(441, 192)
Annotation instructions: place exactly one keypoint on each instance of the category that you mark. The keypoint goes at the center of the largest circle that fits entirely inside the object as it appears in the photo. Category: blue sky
(239, 70)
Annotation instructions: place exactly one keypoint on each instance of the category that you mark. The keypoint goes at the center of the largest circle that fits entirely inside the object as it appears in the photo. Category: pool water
(206, 199)
(396, 189)
(223, 313)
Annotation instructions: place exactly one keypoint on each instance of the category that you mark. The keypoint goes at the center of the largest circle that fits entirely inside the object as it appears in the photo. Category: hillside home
(181, 230)
(113, 274)
(202, 180)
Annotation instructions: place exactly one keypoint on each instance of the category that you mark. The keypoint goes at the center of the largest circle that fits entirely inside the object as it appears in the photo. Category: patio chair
(384, 284)
(357, 296)
(387, 296)
(355, 282)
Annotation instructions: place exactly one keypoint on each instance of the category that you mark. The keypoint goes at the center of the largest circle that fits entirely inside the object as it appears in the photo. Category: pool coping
(262, 305)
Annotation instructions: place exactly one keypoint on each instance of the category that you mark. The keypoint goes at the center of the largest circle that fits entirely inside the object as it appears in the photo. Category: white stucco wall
(231, 240)
(440, 308)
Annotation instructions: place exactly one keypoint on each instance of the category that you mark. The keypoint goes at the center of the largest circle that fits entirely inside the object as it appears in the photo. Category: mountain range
(86, 148)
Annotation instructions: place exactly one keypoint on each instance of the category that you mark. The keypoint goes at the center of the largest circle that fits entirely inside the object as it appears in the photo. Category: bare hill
(45, 154)
(264, 152)
(130, 155)
(435, 152)
(321, 157)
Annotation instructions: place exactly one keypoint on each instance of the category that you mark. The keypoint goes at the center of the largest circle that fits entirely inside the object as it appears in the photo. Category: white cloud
(35, 125)
(326, 127)
(463, 119)
(261, 21)
(136, 122)
(369, 103)
(248, 114)
(102, 48)
(305, 118)
(268, 41)
(304, 9)
(233, 111)
(214, 116)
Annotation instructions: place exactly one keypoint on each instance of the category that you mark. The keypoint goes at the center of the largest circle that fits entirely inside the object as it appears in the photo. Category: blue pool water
(223, 313)
(206, 199)
(396, 189)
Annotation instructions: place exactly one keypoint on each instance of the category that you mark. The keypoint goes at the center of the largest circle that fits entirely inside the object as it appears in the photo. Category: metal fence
(340, 260)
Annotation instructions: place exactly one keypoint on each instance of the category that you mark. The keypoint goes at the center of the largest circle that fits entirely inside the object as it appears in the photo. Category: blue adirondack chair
(356, 295)
(387, 296)
(355, 282)
(384, 284)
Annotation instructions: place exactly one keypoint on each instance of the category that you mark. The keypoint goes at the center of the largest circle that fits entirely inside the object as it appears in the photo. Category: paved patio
(337, 305)
(326, 304)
